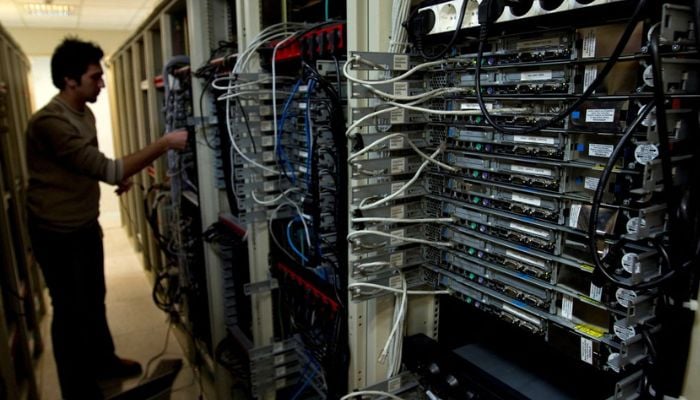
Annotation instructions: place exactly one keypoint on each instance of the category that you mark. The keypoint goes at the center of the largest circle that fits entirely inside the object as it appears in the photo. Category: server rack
(22, 296)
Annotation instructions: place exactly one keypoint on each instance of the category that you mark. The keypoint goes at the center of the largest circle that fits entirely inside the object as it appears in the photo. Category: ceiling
(88, 14)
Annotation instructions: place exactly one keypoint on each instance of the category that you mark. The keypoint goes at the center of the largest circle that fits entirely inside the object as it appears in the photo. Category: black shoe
(119, 368)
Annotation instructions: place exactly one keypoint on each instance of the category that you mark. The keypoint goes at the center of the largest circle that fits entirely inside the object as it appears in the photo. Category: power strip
(446, 14)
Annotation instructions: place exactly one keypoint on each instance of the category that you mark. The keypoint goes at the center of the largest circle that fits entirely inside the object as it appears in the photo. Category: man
(65, 165)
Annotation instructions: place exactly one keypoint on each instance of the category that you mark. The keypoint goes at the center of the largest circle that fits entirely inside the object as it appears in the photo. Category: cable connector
(490, 10)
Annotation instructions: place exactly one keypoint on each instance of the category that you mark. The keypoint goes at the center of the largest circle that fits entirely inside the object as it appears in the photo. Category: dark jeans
(73, 267)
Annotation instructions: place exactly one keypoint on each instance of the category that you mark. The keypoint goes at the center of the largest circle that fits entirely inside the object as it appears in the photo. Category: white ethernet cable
(370, 393)
(363, 204)
(405, 75)
(428, 96)
(274, 200)
(365, 232)
(402, 220)
(415, 148)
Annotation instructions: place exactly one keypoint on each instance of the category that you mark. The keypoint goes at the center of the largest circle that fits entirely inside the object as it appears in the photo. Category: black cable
(664, 144)
(247, 125)
(453, 39)
(595, 208)
(486, 20)
(201, 112)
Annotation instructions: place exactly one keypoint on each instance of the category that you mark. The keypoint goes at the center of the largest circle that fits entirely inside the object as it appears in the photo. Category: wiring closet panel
(536, 168)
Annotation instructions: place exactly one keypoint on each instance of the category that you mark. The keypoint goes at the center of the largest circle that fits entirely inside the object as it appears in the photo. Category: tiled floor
(139, 328)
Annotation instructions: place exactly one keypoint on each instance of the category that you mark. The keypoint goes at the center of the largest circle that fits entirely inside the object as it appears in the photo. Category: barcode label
(395, 282)
(398, 165)
(574, 214)
(400, 88)
(537, 43)
(527, 229)
(533, 139)
(396, 240)
(398, 116)
(522, 198)
(536, 76)
(567, 307)
(396, 143)
(596, 292)
(396, 259)
(524, 258)
(394, 385)
(589, 43)
(600, 150)
(591, 183)
(400, 62)
(531, 170)
(587, 350)
(398, 211)
(600, 115)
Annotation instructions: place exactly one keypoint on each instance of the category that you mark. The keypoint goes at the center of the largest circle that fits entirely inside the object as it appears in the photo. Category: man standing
(65, 165)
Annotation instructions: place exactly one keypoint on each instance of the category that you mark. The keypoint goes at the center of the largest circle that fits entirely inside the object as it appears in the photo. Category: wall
(41, 42)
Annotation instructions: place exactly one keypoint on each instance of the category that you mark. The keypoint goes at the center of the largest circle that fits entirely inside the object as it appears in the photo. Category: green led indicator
(471, 251)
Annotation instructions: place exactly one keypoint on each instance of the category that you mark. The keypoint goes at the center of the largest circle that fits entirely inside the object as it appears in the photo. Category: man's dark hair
(71, 60)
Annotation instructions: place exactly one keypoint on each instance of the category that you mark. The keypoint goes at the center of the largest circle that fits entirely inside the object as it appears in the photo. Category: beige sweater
(65, 166)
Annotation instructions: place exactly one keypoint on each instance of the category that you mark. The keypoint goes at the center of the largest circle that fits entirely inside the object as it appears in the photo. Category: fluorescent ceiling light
(49, 10)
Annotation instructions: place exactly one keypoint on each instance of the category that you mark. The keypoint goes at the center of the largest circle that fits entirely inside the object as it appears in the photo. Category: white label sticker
(587, 350)
(533, 139)
(268, 156)
(400, 62)
(269, 186)
(591, 183)
(600, 150)
(625, 297)
(280, 371)
(396, 240)
(396, 186)
(567, 307)
(395, 282)
(596, 292)
(474, 106)
(398, 211)
(277, 347)
(394, 384)
(398, 116)
(589, 75)
(536, 43)
(531, 170)
(279, 359)
(527, 229)
(524, 258)
(630, 263)
(267, 141)
(624, 332)
(398, 165)
(646, 153)
(400, 88)
(396, 259)
(396, 142)
(536, 75)
(589, 42)
(600, 115)
(574, 214)
(522, 198)
(265, 126)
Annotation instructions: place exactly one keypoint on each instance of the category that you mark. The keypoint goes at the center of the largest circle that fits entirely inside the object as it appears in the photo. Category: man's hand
(124, 186)
(177, 139)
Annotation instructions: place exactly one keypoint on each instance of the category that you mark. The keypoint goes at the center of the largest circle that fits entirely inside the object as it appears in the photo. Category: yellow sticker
(590, 330)
(588, 268)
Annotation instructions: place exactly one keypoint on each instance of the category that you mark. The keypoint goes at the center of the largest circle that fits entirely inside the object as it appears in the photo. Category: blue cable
(291, 244)
(281, 154)
(307, 381)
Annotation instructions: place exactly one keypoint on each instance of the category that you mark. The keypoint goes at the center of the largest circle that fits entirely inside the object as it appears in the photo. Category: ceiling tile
(51, 22)
(102, 25)
(9, 16)
(114, 3)
(107, 13)
(20, 3)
